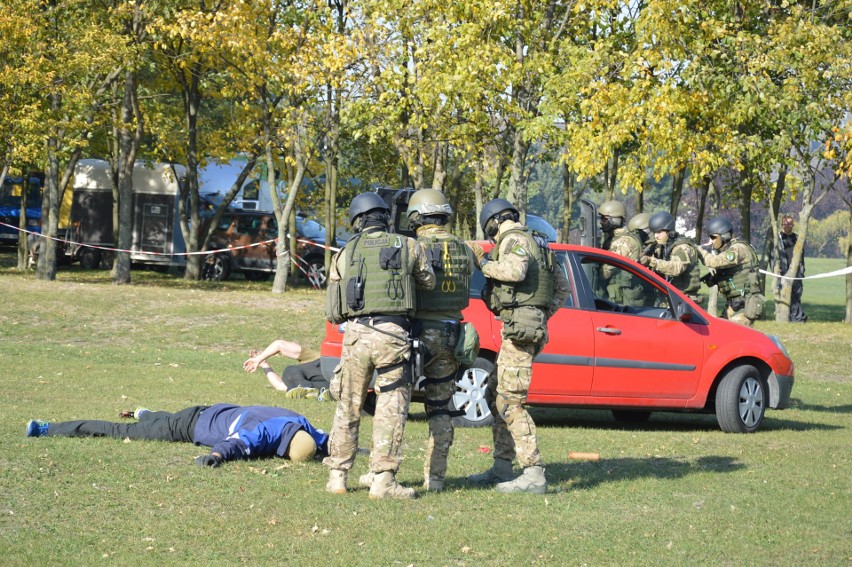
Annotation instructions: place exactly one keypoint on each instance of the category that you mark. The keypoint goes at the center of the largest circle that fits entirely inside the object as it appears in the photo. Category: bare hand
(645, 260)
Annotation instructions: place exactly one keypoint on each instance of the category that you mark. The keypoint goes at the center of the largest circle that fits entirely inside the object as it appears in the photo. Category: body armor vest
(537, 287)
(739, 280)
(448, 256)
(377, 276)
(623, 287)
(689, 281)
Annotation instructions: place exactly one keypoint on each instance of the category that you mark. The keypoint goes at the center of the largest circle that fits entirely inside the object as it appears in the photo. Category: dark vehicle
(244, 242)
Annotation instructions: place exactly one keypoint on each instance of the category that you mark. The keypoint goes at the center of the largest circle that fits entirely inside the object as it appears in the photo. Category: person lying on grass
(233, 432)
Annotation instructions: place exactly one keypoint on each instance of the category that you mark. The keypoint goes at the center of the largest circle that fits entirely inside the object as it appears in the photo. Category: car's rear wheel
(741, 400)
(216, 267)
(90, 258)
(630, 416)
(470, 395)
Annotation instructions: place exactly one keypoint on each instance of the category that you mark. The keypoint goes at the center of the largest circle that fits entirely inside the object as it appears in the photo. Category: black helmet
(722, 227)
(364, 203)
(661, 221)
(493, 208)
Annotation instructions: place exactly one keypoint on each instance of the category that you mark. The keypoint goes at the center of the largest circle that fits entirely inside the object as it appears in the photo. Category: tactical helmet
(661, 221)
(639, 222)
(612, 209)
(428, 202)
(493, 208)
(364, 203)
(722, 227)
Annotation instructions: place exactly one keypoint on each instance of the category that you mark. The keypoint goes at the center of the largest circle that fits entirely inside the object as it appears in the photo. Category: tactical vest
(741, 279)
(689, 281)
(624, 287)
(449, 258)
(537, 287)
(377, 276)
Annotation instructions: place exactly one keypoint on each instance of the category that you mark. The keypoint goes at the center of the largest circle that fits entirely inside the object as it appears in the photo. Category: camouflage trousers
(440, 385)
(735, 312)
(513, 428)
(364, 350)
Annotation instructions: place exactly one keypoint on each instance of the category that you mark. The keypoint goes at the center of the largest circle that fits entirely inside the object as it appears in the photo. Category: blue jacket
(250, 432)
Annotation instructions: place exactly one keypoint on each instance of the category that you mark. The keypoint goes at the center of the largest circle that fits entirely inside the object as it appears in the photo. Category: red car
(669, 355)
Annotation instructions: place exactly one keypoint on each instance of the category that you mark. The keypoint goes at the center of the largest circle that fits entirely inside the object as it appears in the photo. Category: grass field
(674, 491)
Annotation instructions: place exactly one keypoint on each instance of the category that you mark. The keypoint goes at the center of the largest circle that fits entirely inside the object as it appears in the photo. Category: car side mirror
(683, 312)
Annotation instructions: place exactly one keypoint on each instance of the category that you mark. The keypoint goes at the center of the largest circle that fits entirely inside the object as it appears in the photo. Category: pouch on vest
(754, 305)
(390, 258)
(333, 304)
(355, 294)
(467, 345)
(525, 325)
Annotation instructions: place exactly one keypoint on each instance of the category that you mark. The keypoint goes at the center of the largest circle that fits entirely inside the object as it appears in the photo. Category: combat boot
(500, 471)
(386, 486)
(336, 482)
(532, 481)
(366, 480)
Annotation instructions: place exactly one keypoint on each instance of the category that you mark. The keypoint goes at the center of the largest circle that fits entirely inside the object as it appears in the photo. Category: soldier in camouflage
(372, 288)
(673, 256)
(525, 287)
(621, 286)
(439, 312)
(733, 268)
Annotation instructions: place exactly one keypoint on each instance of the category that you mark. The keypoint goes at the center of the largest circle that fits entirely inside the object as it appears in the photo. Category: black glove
(208, 461)
(707, 247)
(707, 279)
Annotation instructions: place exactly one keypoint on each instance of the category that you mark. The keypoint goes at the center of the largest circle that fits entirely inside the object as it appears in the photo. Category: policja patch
(519, 250)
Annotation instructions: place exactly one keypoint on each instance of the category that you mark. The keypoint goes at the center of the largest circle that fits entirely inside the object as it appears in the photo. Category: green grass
(674, 491)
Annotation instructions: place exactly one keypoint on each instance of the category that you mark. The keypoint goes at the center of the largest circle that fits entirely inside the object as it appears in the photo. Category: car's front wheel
(741, 400)
(470, 395)
(216, 267)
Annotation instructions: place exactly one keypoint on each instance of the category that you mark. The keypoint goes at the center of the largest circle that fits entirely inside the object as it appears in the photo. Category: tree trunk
(300, 153)
(772, 241)
(702, 203)
(848, 319)
(569, 180)
(130, 133)
(677, 190)
(189, 220)
(746, 191)
(23, 237)
(518, 182)
(50, 222)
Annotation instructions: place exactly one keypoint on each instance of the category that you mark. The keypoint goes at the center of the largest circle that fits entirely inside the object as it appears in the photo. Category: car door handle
(609, 330)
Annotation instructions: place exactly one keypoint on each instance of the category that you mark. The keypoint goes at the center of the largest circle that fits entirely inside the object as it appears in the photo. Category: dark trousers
(797, 315)
(306, 375)
(153, 426)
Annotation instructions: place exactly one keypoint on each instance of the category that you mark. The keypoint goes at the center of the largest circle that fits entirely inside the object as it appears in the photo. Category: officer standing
(673, 256)
(439, 312)
(787, 242)
(733, 267)
(621, 286)
(372, 288)
(525, 287)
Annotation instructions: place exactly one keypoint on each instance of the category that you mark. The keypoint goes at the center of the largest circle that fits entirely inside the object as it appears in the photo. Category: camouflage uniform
(621, 287)
(439, 335)
(383, 347)
(513, 429)
(679, 265)
(735, 267)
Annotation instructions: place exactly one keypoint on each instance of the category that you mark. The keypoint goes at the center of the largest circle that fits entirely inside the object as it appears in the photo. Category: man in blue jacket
(232, 432)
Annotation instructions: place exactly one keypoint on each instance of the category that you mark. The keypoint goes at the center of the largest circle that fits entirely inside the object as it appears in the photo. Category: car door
(566, 365)
(641, 349)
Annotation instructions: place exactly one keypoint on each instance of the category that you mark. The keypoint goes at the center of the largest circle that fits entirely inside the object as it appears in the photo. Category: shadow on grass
(585, 475)
(589, 474)
(661, 421)
(798, 404)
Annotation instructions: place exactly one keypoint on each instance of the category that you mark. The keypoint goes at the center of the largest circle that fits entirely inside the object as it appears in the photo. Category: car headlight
(780, 345)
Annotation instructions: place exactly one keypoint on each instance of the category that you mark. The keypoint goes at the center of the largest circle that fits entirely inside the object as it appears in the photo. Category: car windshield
(311, 229)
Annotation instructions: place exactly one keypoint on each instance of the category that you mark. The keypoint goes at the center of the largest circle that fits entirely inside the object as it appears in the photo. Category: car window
(310, 229)
(616, 288)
